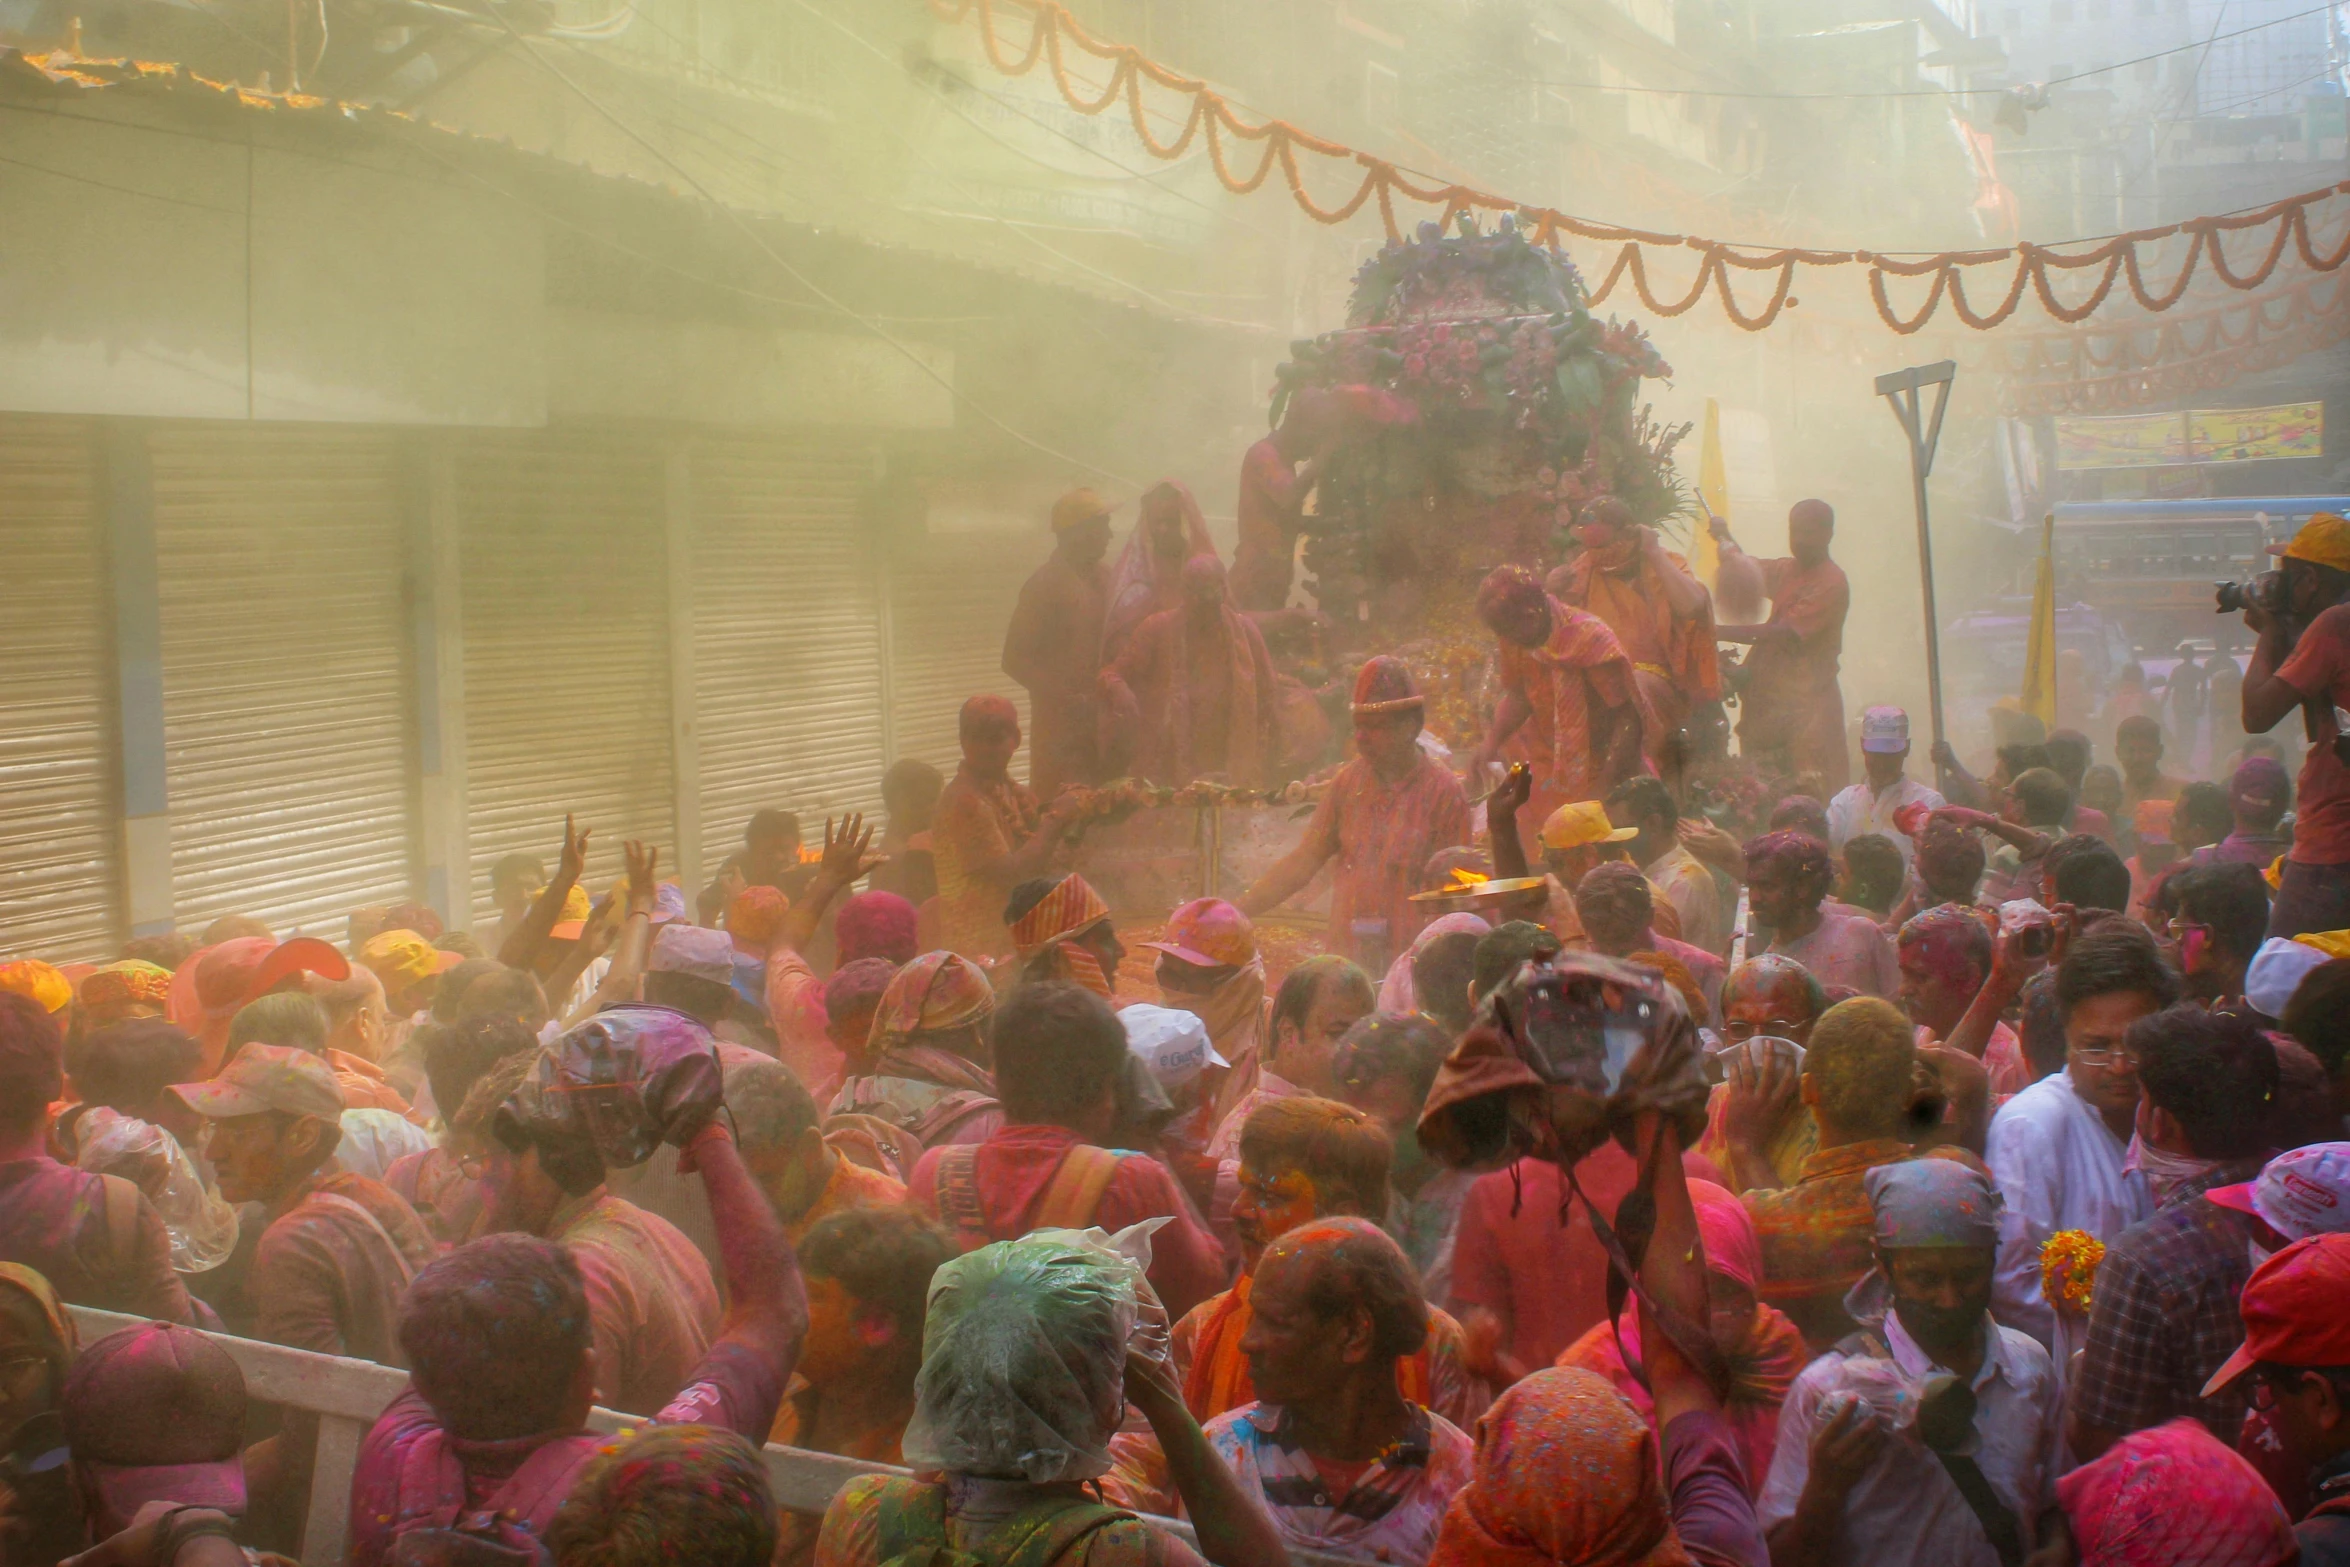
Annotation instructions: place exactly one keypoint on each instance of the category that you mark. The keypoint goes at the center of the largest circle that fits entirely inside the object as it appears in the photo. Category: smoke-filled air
(1174, 783)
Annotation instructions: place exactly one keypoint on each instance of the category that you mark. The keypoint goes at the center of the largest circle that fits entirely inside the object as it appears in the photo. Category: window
(1380, 93)
(2146, 71)
(2061, 13)
(2100, 10)
(2012, 22)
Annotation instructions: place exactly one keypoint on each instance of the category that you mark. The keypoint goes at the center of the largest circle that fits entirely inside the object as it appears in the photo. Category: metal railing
(347, 1396)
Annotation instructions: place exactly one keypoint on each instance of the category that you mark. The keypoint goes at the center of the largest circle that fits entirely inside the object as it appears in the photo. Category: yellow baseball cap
(2324, 540)
(1583, 822)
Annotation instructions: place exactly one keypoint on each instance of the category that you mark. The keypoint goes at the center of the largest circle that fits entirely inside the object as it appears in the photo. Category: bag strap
(364, 1215)
(1077, 1187)
(955, 1192)
(122, 1220)
(1999, 1522)
(1695, 1342)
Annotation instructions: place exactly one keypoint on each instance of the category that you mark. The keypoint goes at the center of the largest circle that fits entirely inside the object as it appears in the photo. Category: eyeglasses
(2104, 1055)
(1741, 1031)
(18, 1370)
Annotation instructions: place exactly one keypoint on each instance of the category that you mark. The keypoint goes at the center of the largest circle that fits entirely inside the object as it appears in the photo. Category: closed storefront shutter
(60, 883)
(280, 551)
(787, 654)
(566, 613)
(951, 597)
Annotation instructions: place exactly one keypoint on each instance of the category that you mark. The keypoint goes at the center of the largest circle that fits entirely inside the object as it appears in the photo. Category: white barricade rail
(347, 1395)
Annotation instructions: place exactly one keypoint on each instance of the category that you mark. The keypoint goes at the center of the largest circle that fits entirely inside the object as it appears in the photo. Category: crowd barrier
(347, 1395)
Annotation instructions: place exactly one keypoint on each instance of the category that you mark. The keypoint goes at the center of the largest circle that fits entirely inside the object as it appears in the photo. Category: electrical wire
(846, 312)
(1919, 92)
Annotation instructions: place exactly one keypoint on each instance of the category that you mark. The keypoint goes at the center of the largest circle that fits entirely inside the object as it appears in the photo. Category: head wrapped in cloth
(1384, 686)
(875, 925)
(633, 1077)
(1045, 937)
(1565, 1054)
(1024, 1359)
(1932, 1202)
(937, 993)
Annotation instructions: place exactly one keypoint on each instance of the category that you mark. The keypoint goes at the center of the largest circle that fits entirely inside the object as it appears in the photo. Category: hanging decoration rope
(1280, 145)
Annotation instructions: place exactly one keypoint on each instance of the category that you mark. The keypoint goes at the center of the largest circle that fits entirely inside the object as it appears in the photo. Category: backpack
(436, 1528)
(914, 1529)
(1068, 1203)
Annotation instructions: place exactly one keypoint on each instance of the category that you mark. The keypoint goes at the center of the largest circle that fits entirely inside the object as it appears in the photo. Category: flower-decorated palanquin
(1480, 405)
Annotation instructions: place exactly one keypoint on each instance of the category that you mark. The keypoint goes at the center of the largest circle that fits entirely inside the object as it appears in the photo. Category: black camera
(2266, 590)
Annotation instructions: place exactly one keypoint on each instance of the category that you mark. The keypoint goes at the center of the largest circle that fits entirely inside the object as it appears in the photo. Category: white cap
(1884, 729)
(1172, 1043)
(2299, 1193)
(2277, 971)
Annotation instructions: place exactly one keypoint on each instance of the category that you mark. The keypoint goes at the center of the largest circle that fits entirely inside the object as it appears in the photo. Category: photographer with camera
(2303, 660)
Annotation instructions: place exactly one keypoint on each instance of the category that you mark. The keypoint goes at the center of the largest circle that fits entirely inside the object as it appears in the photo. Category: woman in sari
(1149, 574)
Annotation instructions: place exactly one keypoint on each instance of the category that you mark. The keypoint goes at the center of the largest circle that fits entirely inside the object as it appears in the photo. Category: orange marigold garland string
(1210, 115)
(2069, 1261)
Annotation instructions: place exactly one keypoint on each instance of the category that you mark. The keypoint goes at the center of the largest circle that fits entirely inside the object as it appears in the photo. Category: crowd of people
(1886, 1173)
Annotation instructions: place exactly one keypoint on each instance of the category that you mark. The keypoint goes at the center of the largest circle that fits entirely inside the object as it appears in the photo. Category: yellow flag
(2039, 693)
(1705, 557)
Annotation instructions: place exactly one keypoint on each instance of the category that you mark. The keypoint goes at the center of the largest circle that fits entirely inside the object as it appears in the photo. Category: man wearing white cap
(1873, 804)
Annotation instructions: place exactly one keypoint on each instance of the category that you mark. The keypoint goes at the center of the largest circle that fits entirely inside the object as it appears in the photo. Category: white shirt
(2059, 1167)
(1907, 1509)
(1860, 809)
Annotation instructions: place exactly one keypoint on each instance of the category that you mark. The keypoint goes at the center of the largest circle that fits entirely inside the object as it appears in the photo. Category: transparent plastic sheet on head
(1024, 1354)
(203, 1227)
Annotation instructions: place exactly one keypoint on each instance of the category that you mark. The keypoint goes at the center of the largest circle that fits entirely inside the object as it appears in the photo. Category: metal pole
(1904, 389)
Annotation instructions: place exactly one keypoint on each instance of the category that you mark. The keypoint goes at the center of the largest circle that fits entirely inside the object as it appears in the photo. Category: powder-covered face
(1270, 1204)
(1771, 1000)
(1938, 979)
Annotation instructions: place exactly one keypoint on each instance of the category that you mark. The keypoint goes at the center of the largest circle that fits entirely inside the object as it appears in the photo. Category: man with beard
(1845, 1484)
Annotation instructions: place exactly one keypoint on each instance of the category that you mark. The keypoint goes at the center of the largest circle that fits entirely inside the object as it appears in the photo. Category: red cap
(213, 984)
(157, 1413)
(2292, 1310)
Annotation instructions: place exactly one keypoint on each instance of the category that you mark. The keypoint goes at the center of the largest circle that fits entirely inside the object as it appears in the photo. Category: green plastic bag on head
(1024, 1355)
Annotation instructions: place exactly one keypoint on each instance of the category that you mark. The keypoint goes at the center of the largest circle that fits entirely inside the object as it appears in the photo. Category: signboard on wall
(2199, 436)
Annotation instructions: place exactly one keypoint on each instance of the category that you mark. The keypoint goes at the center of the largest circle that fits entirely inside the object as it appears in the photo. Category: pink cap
(157, 1413)
(1209, 933)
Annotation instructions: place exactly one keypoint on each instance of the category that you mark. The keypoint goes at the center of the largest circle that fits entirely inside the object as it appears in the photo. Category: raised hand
(573, 860)
(644, 887)
(845, 858)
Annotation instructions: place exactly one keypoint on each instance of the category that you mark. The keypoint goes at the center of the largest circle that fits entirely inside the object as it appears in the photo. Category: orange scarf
(1219, 1379)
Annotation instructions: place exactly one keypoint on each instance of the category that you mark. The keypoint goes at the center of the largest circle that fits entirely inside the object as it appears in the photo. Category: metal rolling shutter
(787, 656)
(280, 554)
(951, 597)
(566, 648)
(60, 881)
